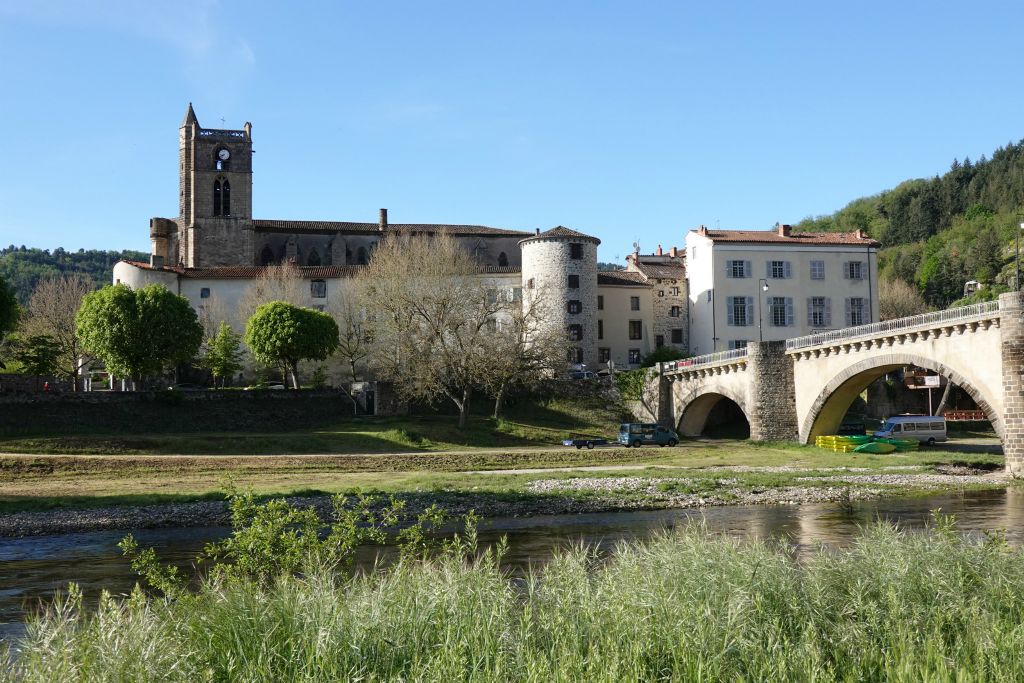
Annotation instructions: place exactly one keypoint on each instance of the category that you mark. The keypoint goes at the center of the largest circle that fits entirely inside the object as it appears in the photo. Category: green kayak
(875, 447)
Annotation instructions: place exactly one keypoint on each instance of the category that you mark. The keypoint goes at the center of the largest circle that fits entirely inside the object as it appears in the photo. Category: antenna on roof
(636, 247)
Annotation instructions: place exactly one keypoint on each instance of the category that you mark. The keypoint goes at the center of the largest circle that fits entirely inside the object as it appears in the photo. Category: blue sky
(628, 121)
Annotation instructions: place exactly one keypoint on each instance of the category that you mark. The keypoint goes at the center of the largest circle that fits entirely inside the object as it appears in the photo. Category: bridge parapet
(710, 363)
(891, 332)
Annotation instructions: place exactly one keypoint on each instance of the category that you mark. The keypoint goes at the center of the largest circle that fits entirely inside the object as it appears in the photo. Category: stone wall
(1011, 325)
(772, 409)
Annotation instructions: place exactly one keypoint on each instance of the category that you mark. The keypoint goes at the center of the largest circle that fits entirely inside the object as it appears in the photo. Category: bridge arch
(695, 406)
(827, 411)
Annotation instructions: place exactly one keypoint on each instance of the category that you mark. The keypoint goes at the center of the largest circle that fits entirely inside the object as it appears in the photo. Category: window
(502, 260)
(659, 341)
(855, 311)
(693, 252)
(854, 270)
(817, 270)
(634, 356)
(674, 311)
(204, 293)
(318, 289)
(604, 355)
(674, 291)
(600, 302)
(600, 329)
(739, 310)
(575, 307)
(574, 282)
(517, 294)
(636, 330)
(737, 268)
(226, 201)
(314, 258)
(575, 332)
(266, 256)
(737, 344)
(778, 270)
(634, 303)
(576, 251)
(575, 354)
(710, 295)
(677, 335)
(819, 313)
(216, 198)
(780, 311)
(529, 283)
(661, 292)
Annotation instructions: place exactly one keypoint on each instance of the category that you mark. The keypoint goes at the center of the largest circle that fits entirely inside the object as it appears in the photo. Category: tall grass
(689, 605)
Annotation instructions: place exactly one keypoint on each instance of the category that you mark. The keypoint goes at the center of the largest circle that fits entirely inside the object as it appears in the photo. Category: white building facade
(748, 285)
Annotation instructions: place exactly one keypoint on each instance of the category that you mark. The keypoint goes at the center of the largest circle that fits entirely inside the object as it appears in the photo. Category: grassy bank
(686, 606)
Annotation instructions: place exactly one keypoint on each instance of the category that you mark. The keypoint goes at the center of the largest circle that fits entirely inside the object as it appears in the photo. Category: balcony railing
(899, 325)
(706, 359)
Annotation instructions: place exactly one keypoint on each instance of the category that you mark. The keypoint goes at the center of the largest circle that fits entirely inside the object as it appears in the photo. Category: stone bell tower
(215, 195)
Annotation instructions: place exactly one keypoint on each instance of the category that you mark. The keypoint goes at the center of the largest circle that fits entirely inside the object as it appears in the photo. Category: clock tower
(215, 194)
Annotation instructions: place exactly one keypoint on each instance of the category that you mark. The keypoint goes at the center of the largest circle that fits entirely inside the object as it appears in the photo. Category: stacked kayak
(841, 444)
(875, 447)
(902, 445)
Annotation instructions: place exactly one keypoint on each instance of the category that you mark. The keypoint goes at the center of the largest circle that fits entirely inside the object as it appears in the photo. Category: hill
(941, 232)
(23, 267)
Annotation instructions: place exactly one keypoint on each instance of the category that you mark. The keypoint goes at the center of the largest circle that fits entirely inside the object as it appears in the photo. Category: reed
(688, 605)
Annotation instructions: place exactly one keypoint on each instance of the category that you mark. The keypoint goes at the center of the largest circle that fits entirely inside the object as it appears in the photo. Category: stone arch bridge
(800, 388)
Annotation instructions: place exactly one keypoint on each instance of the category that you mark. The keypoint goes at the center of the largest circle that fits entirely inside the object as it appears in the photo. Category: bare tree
(276, 283)
(430, 310)
(524, 349)
(899, 299)
(350, 315)
(51, 312)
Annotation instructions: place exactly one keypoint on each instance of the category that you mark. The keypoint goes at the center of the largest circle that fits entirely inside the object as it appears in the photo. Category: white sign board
(932, 380)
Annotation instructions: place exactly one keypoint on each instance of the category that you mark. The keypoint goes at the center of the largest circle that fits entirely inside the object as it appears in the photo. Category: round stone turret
(160, 230)
(560, 270)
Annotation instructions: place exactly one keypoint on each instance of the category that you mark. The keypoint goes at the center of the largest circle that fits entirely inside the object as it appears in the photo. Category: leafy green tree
(9, 310)
(281, 334)
(662, 354)
(223, 354)
(39, 355)
(138, 333)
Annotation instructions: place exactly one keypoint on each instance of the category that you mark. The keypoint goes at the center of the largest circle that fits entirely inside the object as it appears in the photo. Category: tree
(138, 333)
(39, 355)
(899, 299)
(9, 313)
(223, 354)
(281, 335)
(433, 316)
(662, 354)
(275, 283)
(50, 314)
(353, 336)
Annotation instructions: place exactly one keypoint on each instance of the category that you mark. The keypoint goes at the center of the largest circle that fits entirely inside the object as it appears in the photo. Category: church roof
(252, 272)
(331, 227)
(562, 231)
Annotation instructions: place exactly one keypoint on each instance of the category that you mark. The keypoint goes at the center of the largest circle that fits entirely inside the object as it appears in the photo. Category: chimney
(659, 252)
(536, 231)
(861, 235)
(383, 219)
(673, 252)
(785, 230)
(703, 230)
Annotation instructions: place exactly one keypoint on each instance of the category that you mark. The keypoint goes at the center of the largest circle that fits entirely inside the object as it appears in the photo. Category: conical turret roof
(190, 117)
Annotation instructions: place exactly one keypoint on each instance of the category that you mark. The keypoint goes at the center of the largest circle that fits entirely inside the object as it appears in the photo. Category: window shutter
(790, 317)
(810, 312)
(861, 270)
(787, 270)
(729, 310)
(828, 311)
(750, 310)
(768, 269)
(846, 270)
(849, 309)
(746, 269)
(728, 268)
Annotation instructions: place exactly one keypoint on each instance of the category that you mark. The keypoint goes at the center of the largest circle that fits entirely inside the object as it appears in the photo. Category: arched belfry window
(314, 257)
(266, 256)
(216, 198)
(227, 198)
(502, 260)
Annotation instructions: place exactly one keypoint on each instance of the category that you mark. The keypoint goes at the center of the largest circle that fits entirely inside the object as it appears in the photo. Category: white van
(927, 429)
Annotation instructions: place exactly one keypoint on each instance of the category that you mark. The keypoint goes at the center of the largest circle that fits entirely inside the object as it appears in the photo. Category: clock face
(223, 155)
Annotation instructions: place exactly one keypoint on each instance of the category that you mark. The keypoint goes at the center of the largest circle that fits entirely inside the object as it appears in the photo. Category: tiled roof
(794, 238)
(562, 231)
(330, 227)
(662, 271)
(503, 270)
(621, 278)
(251, 272)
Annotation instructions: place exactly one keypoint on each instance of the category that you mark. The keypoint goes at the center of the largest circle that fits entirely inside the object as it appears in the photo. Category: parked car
(927, 429)
(587, 441)
(637, 434)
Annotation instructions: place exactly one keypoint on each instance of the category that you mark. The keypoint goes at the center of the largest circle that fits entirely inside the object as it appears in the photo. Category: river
(33, 568)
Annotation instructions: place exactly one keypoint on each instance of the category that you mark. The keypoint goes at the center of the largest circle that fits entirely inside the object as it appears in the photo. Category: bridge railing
(898, 325)
(706, 359)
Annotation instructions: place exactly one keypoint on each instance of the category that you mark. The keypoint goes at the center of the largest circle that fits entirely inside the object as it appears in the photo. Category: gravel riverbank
(541, 497)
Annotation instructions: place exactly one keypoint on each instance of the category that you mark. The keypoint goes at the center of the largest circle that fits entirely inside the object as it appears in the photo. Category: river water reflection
(32, 569)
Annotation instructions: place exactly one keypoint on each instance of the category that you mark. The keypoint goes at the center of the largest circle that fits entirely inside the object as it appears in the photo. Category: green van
(637, 434)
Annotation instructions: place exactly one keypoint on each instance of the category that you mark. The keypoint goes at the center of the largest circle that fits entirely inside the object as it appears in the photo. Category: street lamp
(760, 311)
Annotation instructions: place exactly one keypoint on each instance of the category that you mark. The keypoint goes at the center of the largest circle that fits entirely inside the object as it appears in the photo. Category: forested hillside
(939, 233)
(23, 267)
